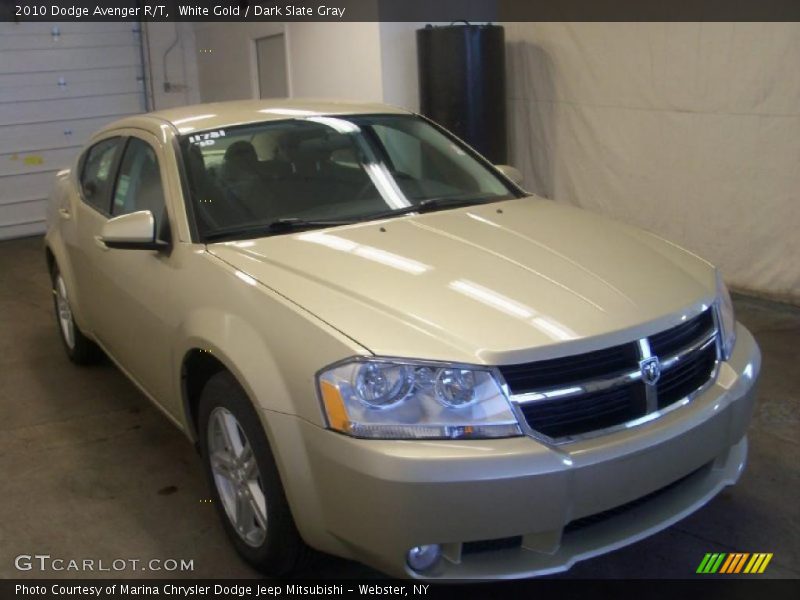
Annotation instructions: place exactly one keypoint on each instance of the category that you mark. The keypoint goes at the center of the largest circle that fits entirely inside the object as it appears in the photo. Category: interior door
(271, 59)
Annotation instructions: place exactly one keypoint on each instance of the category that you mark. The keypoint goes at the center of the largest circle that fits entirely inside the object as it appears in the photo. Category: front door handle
(65, 214)
(100, 243)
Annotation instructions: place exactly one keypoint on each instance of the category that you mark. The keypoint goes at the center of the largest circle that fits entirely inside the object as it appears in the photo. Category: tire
(265, 535)
(80, 349)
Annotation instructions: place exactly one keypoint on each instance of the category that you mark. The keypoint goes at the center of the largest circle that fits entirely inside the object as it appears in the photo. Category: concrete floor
(91, 470)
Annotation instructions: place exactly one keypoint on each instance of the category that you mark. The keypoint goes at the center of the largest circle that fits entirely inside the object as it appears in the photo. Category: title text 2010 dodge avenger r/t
(386, 350)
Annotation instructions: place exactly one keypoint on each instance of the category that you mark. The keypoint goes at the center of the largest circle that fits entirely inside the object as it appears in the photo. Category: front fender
(273, 347)
(238, 346)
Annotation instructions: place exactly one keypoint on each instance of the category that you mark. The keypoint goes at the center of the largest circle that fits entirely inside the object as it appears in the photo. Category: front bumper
(372, 500)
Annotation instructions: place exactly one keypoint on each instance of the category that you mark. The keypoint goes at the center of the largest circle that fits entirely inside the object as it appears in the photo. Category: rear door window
(97, 175)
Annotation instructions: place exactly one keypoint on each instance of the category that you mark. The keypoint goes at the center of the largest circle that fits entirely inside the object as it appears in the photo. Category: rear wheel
(80, 349)
(244, 480)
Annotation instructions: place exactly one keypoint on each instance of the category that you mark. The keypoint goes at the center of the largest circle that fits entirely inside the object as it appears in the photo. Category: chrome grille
(673, 340)
(686, 376)
(583, 367)
(597, 392)
(586, 412)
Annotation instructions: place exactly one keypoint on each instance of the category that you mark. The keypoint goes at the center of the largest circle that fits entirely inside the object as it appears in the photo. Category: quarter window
(97, 173)
(139, 183)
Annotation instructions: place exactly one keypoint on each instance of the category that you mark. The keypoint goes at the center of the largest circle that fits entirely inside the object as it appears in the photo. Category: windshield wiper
(290, 224)
(429, 205)
(285, 225)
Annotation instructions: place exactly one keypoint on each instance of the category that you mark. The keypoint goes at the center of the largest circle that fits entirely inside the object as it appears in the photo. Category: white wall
(181, 64)
(399, 64)
(352, 61)
(690, 130)
(331, 60)
(226, 59)
(335, 60)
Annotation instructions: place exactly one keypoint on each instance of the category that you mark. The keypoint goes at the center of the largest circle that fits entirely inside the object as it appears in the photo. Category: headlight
(395, 399)
(727, 322)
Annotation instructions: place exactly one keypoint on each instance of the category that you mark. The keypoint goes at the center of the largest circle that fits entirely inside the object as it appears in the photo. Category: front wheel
(244, 480)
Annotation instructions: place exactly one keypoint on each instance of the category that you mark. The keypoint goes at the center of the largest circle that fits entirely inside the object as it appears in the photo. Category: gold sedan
(386, 350)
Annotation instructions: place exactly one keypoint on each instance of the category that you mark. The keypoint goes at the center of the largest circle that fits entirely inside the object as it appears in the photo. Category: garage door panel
(40, 136)
(59, 83)
(44, 27)
(76, 40)
(23, 61)
(32, 208)
(12, 216)
(19, 230)
(27, 187)
(9, 82)
(36, 162)
(82, 90)
(73, 108)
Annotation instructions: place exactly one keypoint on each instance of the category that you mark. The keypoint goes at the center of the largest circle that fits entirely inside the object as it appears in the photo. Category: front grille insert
(582, 367)
(587, 412)
(686, 376)
(591, 393)
(672, 340)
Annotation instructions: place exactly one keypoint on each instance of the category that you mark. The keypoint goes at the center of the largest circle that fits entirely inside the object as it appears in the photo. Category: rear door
(87, 214)
(135, 300)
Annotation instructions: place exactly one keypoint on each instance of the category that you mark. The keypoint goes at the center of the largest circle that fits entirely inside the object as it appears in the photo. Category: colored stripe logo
(735, 562)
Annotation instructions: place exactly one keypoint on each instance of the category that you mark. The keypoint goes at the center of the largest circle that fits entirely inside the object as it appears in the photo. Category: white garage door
(58, 84)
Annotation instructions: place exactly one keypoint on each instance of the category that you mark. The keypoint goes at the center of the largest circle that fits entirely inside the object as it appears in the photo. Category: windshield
(314, 171)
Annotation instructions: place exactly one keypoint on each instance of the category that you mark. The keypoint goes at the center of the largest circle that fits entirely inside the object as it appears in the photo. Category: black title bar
(442, 11)
(707, 588)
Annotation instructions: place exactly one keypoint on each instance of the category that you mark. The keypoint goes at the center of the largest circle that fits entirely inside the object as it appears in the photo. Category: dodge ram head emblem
(651, 370)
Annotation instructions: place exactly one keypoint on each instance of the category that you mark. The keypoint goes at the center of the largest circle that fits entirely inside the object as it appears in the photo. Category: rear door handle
(65, 214)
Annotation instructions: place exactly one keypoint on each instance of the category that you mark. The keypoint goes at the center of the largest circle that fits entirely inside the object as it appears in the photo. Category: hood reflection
(390, 259)
(545, 324)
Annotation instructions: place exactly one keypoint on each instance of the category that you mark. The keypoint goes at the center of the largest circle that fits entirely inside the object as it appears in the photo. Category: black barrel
(462, 84)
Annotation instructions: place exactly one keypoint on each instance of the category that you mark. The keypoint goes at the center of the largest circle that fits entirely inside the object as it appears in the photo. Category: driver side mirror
(511, 173)
(134, 231)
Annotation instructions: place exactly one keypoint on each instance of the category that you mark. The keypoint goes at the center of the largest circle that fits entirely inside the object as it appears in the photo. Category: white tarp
(690, 130)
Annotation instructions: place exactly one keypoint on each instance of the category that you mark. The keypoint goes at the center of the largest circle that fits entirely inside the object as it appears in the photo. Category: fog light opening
(422, 558)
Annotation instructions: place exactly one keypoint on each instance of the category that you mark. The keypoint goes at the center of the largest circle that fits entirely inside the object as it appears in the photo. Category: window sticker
(209, 138)
(122, 190)
(105, 164)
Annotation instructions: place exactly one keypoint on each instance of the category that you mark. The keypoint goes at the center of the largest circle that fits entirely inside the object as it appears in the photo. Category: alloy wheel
(236, 476)
(64, 312)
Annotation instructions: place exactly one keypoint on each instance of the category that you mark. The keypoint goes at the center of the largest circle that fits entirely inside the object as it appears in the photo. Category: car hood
(496, 283)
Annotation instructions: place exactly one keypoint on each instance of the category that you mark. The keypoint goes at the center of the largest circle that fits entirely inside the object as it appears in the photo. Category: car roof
(217, 115)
